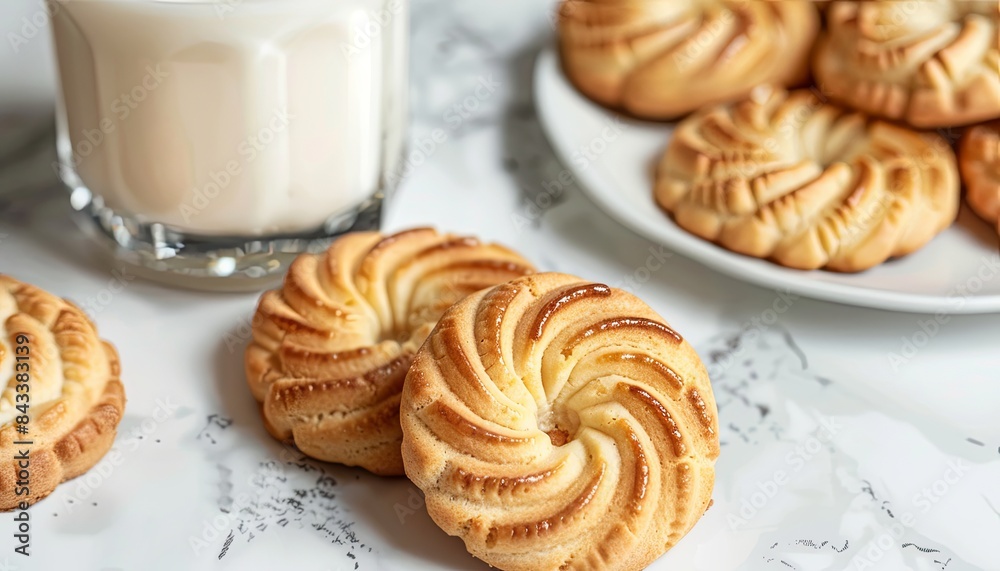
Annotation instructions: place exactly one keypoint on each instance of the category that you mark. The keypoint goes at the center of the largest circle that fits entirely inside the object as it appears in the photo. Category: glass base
(164, 254)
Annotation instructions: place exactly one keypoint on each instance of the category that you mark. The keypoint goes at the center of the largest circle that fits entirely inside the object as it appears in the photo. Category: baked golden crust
(660, 59)
(932, 63)
(76, 396)
(556, 424)
(331, 347)
(979, 160)
(809, 185)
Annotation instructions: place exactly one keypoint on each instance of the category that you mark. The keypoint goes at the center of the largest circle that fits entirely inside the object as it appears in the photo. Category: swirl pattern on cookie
(660, 59)
(50, 351)
(931, 63)
(808, 185)
(558, 424)
(331, 347)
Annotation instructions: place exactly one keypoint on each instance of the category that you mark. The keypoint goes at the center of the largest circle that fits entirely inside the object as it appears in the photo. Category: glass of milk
(210, 141)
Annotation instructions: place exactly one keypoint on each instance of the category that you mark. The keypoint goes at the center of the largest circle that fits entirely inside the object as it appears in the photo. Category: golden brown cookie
(660, 59)
(59, 374)
(809, 185)
(979, 161)
(557, 424)
(930, 63)
(331, 347)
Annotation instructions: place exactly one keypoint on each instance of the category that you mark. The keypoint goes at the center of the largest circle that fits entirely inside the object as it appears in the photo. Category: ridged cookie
(930, 63)
(331, 347)
(979, 160)
(808, 185)
(557, 424)
(660, 59)
(75, 399)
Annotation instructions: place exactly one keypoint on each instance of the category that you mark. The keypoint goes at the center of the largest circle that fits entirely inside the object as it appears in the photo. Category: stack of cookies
(842, 172)
(551, 422)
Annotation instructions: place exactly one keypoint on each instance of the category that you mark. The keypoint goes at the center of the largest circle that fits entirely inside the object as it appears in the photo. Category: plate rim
(716, 258)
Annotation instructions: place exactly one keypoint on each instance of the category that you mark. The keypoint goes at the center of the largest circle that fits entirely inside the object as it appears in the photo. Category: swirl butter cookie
(332, 346)
(660, 59)
(557, 424)
(60, 375)
(930, 63)
(808, 185)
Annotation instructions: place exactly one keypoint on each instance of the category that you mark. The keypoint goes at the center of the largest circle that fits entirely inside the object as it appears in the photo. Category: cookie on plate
(661, 59)
(932, 63)
(979, 161)
(806, 184)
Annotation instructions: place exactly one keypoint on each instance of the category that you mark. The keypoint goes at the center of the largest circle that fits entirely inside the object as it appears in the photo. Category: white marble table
(843, 446)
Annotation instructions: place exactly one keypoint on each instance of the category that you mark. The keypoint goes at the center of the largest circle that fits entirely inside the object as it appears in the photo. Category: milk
(231, 117)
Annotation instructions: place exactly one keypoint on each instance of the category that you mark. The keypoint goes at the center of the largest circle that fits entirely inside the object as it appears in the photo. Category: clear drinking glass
(210, 141)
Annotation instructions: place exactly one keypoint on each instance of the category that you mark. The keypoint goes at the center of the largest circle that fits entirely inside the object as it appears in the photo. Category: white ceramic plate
(613, 158)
